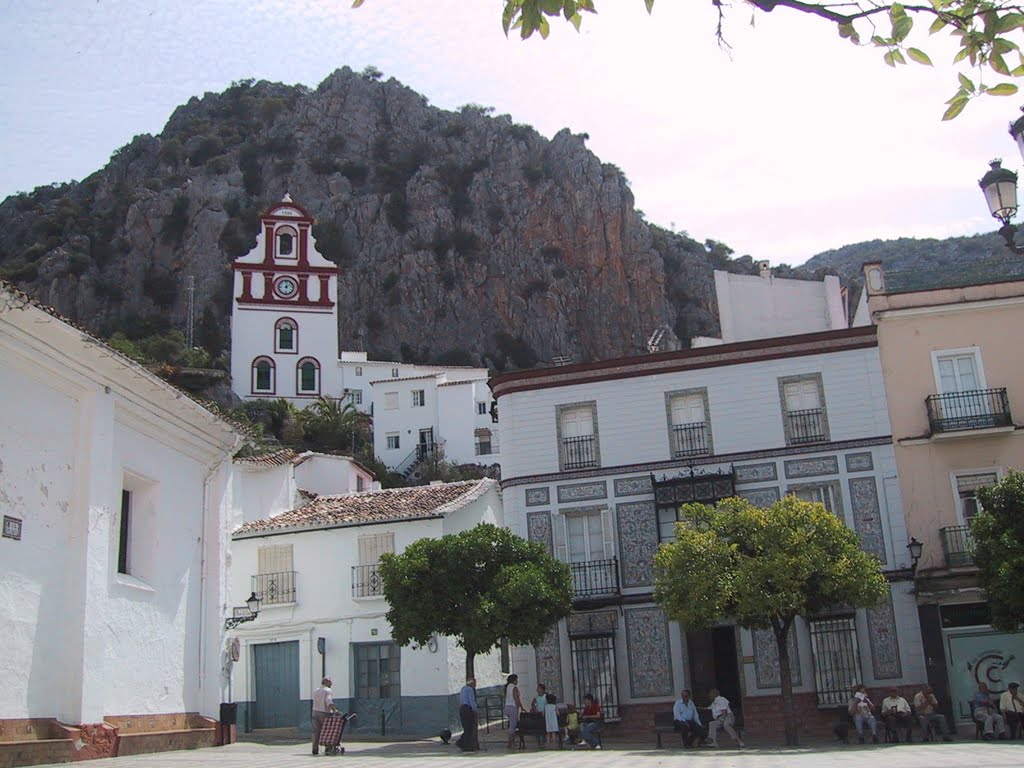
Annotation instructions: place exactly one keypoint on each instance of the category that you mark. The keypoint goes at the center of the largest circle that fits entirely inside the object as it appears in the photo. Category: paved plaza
(414, 754)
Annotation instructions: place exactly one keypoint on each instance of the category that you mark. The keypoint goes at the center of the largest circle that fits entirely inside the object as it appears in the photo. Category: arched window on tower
(307, 377)
(286, 243)
(286, 336)
(263, 379)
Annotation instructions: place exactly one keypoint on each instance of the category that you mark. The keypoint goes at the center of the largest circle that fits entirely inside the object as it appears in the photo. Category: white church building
(284, 344)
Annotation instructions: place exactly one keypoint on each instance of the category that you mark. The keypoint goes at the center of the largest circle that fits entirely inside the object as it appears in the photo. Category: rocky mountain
(462, 237)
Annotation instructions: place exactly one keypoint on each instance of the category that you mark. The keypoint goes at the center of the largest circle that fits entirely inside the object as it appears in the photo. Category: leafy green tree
(987, 33)
(762, 568)
(479, 586)
(333, 425)
(999, 549)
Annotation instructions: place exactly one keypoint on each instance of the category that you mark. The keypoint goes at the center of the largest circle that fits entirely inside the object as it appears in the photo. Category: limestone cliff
(461, 237)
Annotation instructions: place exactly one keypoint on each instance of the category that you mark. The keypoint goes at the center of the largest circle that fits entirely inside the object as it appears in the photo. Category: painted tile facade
(633, 486)
(549, 663)
(538, 526)
(813, 467)
(885, 644)
(638, 541)
(538, 497)
(760, 497)
(859, 462)
(757, 473)
(867, 517)
(650, 667)
(582, 492)
(766, 659)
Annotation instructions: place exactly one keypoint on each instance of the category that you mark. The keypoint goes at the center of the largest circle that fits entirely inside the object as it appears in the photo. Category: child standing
(551, 720)
(572, 725)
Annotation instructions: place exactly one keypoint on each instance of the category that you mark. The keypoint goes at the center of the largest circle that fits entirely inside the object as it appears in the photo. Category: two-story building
(597, 459)
(954, 380)
(285, 344)
(326, 614)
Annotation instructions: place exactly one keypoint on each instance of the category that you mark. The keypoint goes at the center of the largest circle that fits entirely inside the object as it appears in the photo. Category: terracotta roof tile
(276, 458)
(392, 504)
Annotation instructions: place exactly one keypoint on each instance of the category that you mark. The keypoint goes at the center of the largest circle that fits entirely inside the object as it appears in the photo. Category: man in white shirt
(323, 705)
(685, 719)
(896, 714)
(927, 708)
(1012, 707)
(721, 717)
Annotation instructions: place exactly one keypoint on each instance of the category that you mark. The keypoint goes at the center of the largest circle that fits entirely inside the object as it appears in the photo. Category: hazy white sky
(793, 143)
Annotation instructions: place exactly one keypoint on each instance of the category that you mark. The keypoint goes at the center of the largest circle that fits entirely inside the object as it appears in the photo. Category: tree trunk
(781, 629)
(470, 658)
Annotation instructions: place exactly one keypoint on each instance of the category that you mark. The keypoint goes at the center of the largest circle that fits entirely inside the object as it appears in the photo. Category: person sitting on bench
(685, 719)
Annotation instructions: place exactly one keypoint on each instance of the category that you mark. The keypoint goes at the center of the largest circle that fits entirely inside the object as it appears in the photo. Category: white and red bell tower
(284, 317)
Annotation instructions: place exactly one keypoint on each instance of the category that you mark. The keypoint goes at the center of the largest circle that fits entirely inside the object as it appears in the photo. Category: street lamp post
(999, 186)
(242, 615)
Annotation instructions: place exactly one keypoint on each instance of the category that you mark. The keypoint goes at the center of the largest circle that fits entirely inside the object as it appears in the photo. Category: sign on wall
(12, 528)
(982, 657)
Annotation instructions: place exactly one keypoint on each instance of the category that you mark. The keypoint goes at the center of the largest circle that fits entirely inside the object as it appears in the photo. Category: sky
(790, 143)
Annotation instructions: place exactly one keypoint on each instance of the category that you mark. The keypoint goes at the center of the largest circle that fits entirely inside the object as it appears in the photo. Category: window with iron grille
(274, 581)
(688, 423)
(827, 493)
(593, 671)
(670, 494)
(377, 671)
(804, 418)
(836, 659)
(366, 581)
(576, 429)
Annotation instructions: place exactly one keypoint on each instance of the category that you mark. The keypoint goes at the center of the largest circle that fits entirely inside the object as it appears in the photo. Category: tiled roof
(276, 458)
(393, 504)
(461, 381)
(1001, 269)
(407, 378)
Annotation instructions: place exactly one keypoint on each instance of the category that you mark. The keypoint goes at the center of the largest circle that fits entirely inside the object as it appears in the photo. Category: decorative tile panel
(757, 473)
(582, 492)
(549, 662)
(867, 517)
(859, 462)
(766, 658)
(593, 623)
(650, 667)
(538, 497)
(633, 486)
(885, 644)
(638, 541)
(538, 528)
(760, 497)
(812, 467)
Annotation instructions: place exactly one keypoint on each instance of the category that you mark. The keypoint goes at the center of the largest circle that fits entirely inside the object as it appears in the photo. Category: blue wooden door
(277, 685)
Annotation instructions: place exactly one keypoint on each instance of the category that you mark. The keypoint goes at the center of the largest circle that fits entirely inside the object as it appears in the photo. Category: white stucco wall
(758, 307)
(330, 475)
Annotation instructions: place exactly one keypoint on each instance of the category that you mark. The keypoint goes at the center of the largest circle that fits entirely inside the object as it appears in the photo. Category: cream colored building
(953, 367)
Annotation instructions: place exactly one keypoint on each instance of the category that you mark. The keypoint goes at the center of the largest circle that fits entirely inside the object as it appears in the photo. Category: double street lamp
(1000, 188)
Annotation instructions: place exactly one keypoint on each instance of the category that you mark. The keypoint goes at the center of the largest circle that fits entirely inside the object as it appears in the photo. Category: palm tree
(331, 425)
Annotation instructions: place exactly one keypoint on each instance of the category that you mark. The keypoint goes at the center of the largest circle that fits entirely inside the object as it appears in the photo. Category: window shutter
(372, 547)
(558, 536)
(276, 559)
(609, 534)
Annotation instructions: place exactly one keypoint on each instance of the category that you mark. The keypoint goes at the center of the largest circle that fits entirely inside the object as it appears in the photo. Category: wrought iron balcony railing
(275, 588)
(366, 581)
(973, 409)
(957, 545)
(595, 578)
(579, 452)
(807, 426)
(690, 439)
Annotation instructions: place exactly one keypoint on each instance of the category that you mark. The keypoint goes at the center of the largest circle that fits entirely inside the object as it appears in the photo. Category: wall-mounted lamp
(915, 548)
(242, 615)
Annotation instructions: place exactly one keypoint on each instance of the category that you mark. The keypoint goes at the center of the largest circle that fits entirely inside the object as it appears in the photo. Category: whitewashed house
(331, 620)
(112, 586)
(597, 459)
(416, 416)
(284, 342)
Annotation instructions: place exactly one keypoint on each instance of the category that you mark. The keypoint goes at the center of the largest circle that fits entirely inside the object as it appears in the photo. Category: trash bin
(229, 714)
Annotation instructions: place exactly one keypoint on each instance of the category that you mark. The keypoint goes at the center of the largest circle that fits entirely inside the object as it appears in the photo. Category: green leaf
(649, 4)
(506, 17)
(357, 3)
(570, 9)
(996, 62)
(1010, 22)
(545, 28)
(897, 56)
(846, 30)
(937, 25)
(897, 12)
(552, 7)
(880, 42)
(961, 55)
(1002, 45)
(1003, 89)
(966, 82)
(576, 20)
(890, 58)
(954, 109)
(919, 56)
(901, 28)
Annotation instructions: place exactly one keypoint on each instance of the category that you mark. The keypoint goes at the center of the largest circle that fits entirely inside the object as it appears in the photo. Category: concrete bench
(32, 741)
(140, 734)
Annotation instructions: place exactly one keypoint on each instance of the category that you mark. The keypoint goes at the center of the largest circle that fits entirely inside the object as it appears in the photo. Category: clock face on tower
(286, 287)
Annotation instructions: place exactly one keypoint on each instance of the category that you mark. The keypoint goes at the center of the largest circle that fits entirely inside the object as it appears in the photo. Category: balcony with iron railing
(595, 580)
(969, 410)
(275, 588)
(957, 545)
(579, 452)
(690, 439)
(806, 426)
(366, 581)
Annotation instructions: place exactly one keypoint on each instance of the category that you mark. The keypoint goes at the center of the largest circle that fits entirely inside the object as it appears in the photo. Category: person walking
(323, 705)
(513, 706)
(468, 741)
